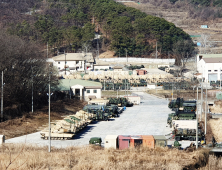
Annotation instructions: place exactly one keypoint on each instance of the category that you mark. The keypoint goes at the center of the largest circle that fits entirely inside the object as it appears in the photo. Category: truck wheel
(105, 118)
(117, 115)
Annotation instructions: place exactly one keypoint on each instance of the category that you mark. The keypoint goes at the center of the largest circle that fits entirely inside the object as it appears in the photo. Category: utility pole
(2, 100)
(104, 84)
(65, 61)
(197, 121)
(47, 51)
(201, 102)
(97, 41)
(172, 90)
(32, 89)
(49, 116)
(125, 86)
(126, 56)
(220, 79)
(156, 50)
(127, 90)
(206, 103)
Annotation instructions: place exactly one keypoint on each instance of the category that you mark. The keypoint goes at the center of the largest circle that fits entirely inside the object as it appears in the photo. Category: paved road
(148, 118)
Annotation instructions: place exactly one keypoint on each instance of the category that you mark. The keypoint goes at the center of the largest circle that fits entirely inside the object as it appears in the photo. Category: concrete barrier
(140, 60)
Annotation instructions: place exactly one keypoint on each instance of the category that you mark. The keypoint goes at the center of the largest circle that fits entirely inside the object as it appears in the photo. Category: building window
(94, 91)
(215, 70)
(87, 91)
(58, 62)
(209, 70)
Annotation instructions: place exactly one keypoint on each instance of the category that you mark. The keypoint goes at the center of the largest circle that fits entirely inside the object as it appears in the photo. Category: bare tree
(183, 50)
(205, 41)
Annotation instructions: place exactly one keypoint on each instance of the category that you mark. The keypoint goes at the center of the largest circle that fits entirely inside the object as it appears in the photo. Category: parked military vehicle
(68, 126)
(102, 115)
(189, 106)
(122, 101)
(188, 134)
(113, 110)
(180, 115)
(180, 104)
(176, 104)
(95, 141)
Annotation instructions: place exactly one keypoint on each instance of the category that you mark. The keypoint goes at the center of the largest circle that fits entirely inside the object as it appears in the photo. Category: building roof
(74, 57)
(213, 60)
(65, 84)
(211, 55)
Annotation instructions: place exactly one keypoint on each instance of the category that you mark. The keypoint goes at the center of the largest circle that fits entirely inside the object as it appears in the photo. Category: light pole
(206, 103)
(197, 121)
(32, 90)
(49, 117)
(172, 90)
(2, 100)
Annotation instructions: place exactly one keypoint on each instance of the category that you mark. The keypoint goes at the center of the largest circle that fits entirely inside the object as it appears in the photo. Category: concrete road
(148, 118)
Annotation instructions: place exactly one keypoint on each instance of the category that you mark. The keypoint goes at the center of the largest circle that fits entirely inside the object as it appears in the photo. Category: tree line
(23, 65)
(68, 24)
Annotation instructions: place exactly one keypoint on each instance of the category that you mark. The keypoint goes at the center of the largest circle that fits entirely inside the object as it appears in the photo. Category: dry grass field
(93, 157)
(30, 122)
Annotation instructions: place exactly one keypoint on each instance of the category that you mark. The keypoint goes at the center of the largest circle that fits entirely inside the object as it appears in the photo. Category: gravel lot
(148, 118)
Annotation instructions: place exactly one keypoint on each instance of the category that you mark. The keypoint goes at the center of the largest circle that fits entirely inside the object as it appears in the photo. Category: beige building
(71, 62)
(82, 88)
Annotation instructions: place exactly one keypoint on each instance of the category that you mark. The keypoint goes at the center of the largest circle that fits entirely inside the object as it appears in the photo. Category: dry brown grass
(91, 157)
(186, 94)
(216, 126)
(30, 122)
(214, 163)
(217, 108)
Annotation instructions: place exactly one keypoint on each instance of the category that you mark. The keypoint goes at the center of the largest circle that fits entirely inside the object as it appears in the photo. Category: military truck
(67, 127)
(180, 115)
(189, 106)
(188, 134)
(95, 141)
(113, 110)
(176, 104)
(180, 104)
(122, 101)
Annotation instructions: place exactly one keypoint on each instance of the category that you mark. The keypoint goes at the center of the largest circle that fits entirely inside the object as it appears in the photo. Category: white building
(82, 88)
(210, 66)
(72, 62)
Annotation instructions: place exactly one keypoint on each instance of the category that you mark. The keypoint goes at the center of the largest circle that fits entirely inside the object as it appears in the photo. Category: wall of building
(86, 95)
(139, 60)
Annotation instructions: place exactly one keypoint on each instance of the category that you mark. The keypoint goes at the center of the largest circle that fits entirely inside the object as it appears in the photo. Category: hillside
(188, 16)
(71, 26)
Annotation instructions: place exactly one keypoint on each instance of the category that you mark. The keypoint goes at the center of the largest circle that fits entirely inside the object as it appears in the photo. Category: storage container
(111, 141)
(135, 141)
(148, 141)
(160, 140)
(124, 141)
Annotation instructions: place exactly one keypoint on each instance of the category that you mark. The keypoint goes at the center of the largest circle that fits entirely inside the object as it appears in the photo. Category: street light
(49, 94)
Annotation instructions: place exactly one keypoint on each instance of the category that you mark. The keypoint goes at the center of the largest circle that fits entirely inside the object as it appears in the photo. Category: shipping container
(136, 141)
(124, 141)
(148, 141)
(111, 141)
(160, 140)
(188, 124)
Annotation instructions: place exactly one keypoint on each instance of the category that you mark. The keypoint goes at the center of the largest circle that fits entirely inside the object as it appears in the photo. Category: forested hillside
(71, 25)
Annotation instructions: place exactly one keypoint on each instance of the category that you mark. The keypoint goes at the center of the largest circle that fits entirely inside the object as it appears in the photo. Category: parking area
(148, 118)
